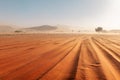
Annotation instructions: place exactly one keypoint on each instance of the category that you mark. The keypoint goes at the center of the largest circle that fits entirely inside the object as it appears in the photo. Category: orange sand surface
(59, 57)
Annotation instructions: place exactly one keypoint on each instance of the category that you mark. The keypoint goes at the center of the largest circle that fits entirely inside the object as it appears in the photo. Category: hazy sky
(75, 13)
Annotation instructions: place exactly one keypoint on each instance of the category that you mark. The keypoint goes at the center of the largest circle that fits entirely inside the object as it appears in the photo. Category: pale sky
(76, 13)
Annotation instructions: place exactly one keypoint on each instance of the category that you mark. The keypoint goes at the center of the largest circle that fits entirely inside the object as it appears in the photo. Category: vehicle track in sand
(59, 57)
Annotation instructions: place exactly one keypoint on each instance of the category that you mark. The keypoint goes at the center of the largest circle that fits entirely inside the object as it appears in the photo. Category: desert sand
(59, 57)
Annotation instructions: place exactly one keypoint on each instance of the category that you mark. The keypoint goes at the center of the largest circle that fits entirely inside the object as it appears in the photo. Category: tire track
(68, 71)
(45, 60)
(108, 63)
(109, 46)
(110, 51)
(25, 52)
(77, 57)
(89, 67)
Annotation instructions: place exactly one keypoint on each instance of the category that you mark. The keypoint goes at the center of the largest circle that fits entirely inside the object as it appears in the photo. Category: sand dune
(59, 57)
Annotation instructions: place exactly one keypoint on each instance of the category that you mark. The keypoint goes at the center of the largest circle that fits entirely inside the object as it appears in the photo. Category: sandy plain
(59, 57)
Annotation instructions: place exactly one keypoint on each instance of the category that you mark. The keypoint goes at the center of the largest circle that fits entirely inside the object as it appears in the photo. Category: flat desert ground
(59, 57)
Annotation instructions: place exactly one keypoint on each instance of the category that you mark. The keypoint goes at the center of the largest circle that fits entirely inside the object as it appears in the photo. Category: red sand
(59, 57)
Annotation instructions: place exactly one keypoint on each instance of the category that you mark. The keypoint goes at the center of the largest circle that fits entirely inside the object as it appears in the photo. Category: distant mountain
(41, 28)
(46, 28)
(35, 29)
(6, 28)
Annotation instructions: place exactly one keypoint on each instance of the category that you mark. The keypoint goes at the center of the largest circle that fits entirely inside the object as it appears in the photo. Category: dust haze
(59, 40)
